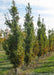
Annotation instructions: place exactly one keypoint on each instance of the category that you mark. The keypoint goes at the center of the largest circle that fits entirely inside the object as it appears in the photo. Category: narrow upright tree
(36, 47)
(42, 38)
(49, 37)
(30, 35)
(43, 29)
(39, 35)
(13, 44)
(51, 40)
(52, 43)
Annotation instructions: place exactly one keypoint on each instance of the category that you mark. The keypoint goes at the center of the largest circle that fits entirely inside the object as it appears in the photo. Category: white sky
(44, 7)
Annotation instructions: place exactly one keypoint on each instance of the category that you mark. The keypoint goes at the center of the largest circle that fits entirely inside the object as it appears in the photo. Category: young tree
(52, 43)
(30, 35)
(39, 35)
(36, 47)
(43, 28)
(49, 37)
(51, 40)
(13, 44)
(42, 38)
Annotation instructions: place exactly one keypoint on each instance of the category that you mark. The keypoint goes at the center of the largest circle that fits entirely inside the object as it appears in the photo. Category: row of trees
(25, 45)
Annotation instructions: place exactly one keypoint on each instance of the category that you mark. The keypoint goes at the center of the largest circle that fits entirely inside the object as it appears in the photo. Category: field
(43, 65)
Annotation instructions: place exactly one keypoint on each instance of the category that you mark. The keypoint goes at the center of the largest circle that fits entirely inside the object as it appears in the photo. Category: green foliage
(36, 47)
(39, 22)
(13, 45)
(51, 40)
(42, 38)
(30, 35)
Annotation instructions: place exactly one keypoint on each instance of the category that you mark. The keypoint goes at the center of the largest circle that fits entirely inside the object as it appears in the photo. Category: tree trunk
(15, 71)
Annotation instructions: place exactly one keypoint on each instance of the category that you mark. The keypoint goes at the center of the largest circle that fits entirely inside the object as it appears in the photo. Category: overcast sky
(43, 7)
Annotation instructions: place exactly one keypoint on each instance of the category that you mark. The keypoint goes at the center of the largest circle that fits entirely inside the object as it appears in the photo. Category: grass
(47, 65)
(44, 65)
(3, 56)
(5, 65)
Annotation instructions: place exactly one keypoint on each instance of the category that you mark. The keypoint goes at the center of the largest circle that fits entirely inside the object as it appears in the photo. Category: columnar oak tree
(51, 40)
(42, 38)
(39, 35)
(36, 47)
(43, 28)
(30, 35)
(13, 44)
